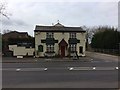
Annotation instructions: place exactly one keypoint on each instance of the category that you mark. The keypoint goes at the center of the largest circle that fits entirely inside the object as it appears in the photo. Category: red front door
(63, 51)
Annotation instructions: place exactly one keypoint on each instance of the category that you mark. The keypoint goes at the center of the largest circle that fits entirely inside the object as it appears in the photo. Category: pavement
(103, 56)
(90, 56)
(34, 60)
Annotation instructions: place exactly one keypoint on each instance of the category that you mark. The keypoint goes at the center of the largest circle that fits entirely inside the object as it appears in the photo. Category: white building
(59, 40)
(21, 50)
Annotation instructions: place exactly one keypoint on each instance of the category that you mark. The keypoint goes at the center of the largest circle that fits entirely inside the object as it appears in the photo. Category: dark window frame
(40, 48)
(81, 49)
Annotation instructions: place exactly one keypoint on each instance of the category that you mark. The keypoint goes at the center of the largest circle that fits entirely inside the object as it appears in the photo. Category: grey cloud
(20, 23)
(13, 22)
(28, 14)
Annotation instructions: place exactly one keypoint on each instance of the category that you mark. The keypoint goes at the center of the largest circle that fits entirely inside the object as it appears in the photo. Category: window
(50, 48)
(40, 48)
(72, 47)
(49, 35)
(25, 44)
(80, 49)
(72, 35)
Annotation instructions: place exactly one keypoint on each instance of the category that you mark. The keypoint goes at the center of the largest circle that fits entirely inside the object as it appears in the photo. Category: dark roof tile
(58, 29)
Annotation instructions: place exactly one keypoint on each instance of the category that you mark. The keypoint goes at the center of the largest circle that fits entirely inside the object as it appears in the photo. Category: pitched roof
(57, 28)
(63, 43)
(58, 25)
(15, 34)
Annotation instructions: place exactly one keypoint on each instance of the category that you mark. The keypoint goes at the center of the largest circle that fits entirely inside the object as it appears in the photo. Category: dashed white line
(18, 69)
(24, 69)
(33, 69)
(68, 68)
(92, 68)
(116, 68)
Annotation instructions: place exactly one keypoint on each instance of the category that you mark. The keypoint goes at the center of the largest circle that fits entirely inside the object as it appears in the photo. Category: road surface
(92, 74)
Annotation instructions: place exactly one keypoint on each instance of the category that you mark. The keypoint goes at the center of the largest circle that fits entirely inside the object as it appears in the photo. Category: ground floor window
(72, 47)
(50, 48)
(40, 48)
(80, 49)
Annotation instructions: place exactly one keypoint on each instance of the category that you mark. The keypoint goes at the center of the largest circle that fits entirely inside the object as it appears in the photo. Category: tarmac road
(97, 71)
(60, 75)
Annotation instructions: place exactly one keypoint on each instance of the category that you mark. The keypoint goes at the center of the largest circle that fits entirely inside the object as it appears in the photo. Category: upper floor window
(49, 35)
(72, 35)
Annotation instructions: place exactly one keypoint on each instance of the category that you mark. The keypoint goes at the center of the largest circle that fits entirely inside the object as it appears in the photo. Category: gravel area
(102, 56)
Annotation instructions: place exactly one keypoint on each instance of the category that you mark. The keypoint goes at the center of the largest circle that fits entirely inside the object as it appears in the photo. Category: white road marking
(92, 68)
(71, 68)
(33, 69)
(91, 59)
(24, 69)
(45, 69)
(80, 68)
(18, 69)
(116, 68)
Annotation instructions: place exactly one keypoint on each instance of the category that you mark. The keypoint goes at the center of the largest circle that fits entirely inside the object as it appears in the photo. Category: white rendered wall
(59, 36)
(38, 37)
(82, 38)
(21, 51)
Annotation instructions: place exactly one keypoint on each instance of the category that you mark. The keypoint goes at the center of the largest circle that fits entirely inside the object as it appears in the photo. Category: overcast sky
(24, 15)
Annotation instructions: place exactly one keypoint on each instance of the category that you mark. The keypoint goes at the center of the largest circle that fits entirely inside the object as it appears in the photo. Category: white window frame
(73, 47)
(50, 48)
(49, 35)
(73, 35)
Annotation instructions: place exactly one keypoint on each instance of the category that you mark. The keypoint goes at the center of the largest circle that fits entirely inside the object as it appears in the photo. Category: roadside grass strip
(91, 68)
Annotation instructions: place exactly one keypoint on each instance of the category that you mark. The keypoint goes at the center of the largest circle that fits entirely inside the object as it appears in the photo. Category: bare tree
(89, 33)
(6, 31)
(3, 10)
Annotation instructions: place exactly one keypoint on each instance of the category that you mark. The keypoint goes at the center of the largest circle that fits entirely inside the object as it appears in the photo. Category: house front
(59, 41)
